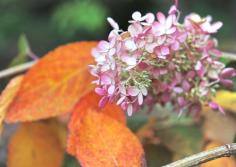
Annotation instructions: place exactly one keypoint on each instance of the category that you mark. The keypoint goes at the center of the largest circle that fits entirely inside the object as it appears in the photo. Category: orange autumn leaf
(7, 96)
(220, 162)
(55, 84)
(90, 101)
(99, 138)
(104, 142)
(36, 144)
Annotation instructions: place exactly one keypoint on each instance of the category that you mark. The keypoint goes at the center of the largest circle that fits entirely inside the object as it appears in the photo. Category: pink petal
(130, 45)
(130, 110)
(120, 100)
(150, 18)
(161, 18)
(216, 26)
(175, 46)
(165, 51)
(135, 29)
(169, 21)
(111, 89)
(103, 45)
(227, 83)
(144, 91)
(131, 61)
(186, 85)
(113, 23)
(133, 91)
(103, 101)
(172, 10)
(171, 30)
(100, 91)
(140, 99)
(105, 79)
(228, 73)
(181, 101)
(137, 16)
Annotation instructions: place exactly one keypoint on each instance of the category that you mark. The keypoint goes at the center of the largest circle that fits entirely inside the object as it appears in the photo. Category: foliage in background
(73, 16)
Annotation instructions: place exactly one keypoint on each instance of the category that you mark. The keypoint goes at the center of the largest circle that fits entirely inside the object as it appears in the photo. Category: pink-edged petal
(136, 16)
(144, 91)
(103, 101)
(181, 101)
(178, 90)
(165, 51)
(150, 47)
(130, 110)
(120, 100)
(133, 91)
(112, 52)
(149, 17)
(161, 18)
(186, 86)
(169, 22)
(111, 89)
(172, 10)
(131, 61)
(100, 91)
(228, 73)
(135, 29)
(215, 106)
(227, 83)
(171, 30)
(215, 27)
(113, 23)
(103, 45)
(130, 45)
(175, 46)
(182, 37)
(140, 99)
(105, 79)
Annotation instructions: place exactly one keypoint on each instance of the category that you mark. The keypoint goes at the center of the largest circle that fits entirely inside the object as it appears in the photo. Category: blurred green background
(49, 23)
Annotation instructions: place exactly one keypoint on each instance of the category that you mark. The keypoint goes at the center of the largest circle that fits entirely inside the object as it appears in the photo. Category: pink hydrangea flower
(160, 60)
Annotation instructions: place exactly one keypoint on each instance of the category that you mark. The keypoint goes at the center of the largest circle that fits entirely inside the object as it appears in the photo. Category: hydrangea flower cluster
(160, 60)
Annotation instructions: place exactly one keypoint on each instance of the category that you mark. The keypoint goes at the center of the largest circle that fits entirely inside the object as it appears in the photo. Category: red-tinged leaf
(99, 138)
(7, 96)
(90, 101)
(37, 144)
(55, 84)
(104, 142)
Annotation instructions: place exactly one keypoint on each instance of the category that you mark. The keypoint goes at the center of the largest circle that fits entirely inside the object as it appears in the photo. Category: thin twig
(16, 69)
(230, 56)
(26, 66)
(205, 156)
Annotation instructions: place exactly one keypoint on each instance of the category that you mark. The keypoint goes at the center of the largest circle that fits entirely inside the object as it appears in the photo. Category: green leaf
(157, 155)
(182, 140)
(23, 51)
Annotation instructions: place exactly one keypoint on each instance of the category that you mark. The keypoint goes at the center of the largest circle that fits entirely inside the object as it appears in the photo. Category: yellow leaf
(36, 144)
(226, 99)
(7, 97)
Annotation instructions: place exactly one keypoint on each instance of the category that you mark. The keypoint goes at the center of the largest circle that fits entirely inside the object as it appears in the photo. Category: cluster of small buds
(159, 60)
